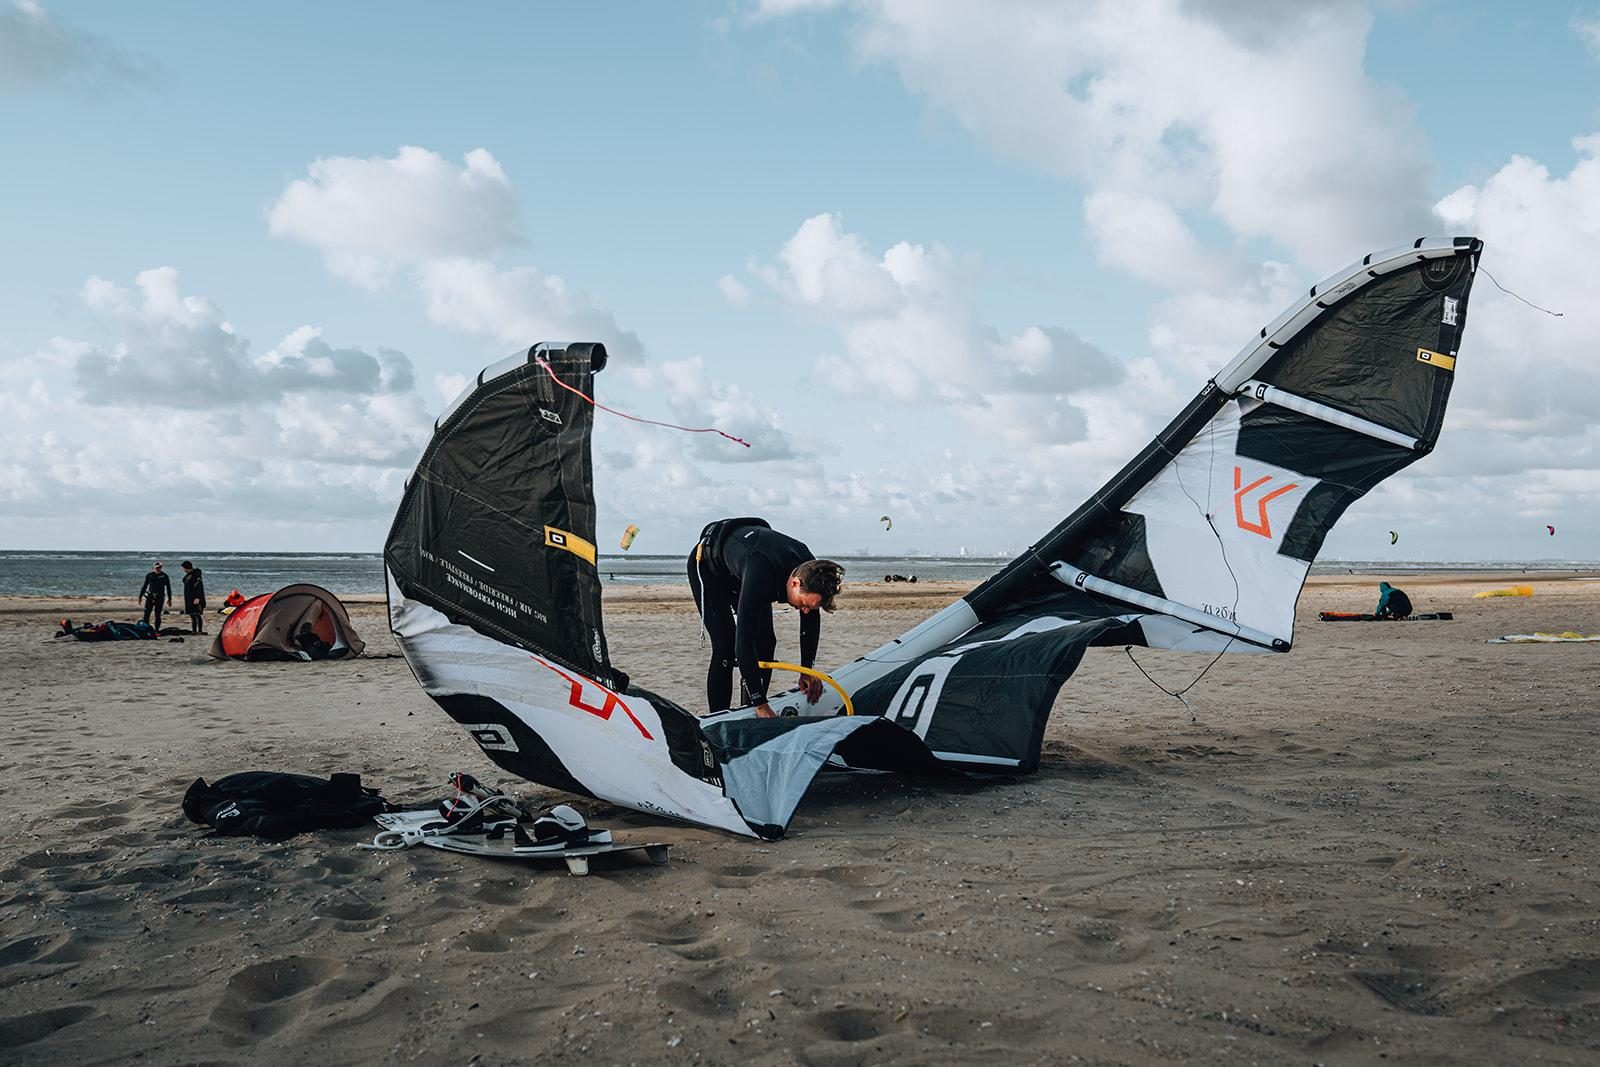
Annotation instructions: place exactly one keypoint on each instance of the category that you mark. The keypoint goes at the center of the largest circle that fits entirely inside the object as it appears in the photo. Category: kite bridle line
(1223, 548)
(635, 418)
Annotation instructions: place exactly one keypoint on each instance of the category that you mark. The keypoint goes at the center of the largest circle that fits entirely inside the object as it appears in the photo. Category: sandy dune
(1382, 847)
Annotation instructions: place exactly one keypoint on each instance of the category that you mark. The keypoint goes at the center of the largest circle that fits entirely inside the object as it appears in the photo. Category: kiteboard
(498, 840)
(1357, 616)
(1539, 638)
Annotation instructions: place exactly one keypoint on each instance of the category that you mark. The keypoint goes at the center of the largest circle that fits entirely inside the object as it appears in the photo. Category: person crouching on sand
(194, 597)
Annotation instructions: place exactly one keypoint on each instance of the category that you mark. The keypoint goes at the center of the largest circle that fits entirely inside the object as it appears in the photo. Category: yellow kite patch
(554, 538)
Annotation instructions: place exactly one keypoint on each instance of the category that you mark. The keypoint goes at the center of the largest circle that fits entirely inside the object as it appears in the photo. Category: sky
(953, 263)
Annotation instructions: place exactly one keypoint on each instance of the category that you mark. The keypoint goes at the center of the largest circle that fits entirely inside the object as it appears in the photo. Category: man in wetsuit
(740, 568)
(157, 588)
(194, 597)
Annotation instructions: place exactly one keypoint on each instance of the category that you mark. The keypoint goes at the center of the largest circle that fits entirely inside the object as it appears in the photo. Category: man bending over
(740, 568)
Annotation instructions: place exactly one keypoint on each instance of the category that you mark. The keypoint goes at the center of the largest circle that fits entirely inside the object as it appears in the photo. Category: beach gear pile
(275, 805)
(479, 820)
(111, 631)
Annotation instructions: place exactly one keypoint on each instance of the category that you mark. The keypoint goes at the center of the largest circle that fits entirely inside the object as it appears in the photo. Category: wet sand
(1380, 848)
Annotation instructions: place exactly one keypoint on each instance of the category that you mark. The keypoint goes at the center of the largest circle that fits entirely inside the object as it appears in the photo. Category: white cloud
(733, 290)
(1527, 396)
(172, 416)
(179, 351)
(449, 386)
(1587, 27)
(440, 225)
(697, 402)
(1263, 119)
(371, 216)
(37, 52)
(911, 329)
(518, 307)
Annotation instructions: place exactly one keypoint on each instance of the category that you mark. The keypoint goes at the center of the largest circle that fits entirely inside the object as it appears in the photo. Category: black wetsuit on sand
(735, 583)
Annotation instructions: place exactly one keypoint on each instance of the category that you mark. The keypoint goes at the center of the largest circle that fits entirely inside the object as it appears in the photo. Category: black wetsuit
(194, 599)
(740, 577)
(156, 592)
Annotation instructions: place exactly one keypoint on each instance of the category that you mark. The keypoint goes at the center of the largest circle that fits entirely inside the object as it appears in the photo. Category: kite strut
(669, 425)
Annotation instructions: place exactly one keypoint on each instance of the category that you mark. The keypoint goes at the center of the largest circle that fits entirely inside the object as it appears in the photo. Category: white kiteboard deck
(421, 827)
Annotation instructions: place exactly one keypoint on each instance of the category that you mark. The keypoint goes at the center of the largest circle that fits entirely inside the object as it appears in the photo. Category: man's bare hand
(811, 687)
(764, 711)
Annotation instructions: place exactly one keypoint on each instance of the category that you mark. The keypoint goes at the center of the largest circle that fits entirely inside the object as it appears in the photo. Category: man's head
(814, 584)
(186, 565)
(156, 566)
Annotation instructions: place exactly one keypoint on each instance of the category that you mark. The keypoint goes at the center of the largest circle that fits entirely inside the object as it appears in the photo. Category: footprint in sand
(738, 876)
(690, 937)
(708, 996)
(1569, 983)
(26, 1029)
(843, 874)
(259, 999)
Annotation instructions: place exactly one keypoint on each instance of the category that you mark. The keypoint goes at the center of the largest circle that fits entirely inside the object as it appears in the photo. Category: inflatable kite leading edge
(1202, 542)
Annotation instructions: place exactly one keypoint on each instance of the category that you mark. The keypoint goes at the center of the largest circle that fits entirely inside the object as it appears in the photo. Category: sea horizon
(59, 572)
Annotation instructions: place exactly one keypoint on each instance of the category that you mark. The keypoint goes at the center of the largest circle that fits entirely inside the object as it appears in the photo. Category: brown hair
(821, 576)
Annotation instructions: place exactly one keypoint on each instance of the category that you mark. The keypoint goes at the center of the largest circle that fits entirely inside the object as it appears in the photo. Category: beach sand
(1379, 848)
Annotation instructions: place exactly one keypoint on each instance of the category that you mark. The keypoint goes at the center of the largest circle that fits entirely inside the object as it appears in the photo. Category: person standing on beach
(194, 597)
(157, 586)
(738, 570)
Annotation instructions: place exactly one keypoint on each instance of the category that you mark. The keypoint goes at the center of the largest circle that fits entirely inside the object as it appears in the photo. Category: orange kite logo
(1261, 525)
(602, 711)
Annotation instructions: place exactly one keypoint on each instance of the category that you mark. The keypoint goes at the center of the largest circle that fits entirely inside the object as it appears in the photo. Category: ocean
(43, 573)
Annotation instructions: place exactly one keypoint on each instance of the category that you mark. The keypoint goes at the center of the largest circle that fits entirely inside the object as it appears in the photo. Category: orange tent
(267, 627)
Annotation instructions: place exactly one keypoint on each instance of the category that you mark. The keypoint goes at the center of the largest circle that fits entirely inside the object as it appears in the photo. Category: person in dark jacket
(740, 568)
(1392, 603)
(194, 597)
(157, 588)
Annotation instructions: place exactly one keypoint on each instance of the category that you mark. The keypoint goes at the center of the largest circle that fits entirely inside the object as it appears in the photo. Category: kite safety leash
(623, 414)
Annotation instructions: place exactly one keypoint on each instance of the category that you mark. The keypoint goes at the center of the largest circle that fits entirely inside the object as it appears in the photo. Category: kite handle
(849, 708)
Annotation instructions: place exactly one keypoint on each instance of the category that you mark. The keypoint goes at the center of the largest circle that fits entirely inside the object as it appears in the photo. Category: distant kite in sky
(1394, 538)
(628, 535)
(1552, 529)
(888, 523)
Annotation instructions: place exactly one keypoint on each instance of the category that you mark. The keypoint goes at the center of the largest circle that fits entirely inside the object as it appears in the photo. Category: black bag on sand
(275, 805)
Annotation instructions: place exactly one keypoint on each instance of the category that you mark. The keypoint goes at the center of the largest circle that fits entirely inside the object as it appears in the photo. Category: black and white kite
(1202, 542)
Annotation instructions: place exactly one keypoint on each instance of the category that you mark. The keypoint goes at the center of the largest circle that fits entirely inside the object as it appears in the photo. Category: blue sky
(1105, 201)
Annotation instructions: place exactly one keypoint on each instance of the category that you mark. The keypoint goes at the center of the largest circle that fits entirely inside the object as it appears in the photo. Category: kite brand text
(480, 590)
(1221, 611)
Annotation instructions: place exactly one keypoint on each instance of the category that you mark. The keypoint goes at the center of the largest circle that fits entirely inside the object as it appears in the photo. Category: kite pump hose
(849, 708)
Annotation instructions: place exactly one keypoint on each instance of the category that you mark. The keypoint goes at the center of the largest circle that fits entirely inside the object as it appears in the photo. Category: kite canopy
(1202, 542)
(264, 627)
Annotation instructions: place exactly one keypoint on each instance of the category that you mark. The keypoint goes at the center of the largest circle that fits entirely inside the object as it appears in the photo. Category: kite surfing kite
(888, 523)
(628, 535)
(1394, 538)
(1202, 542)
(1552, 530)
